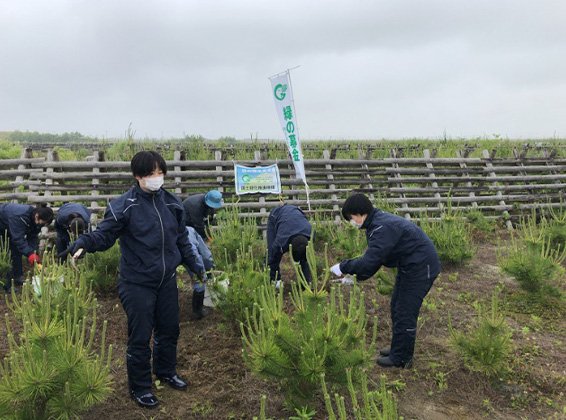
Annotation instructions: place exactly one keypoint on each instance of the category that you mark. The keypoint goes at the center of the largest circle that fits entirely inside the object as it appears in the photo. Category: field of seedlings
(490, 340)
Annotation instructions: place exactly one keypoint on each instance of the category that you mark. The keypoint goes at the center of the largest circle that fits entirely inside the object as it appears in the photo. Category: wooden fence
(499, 187)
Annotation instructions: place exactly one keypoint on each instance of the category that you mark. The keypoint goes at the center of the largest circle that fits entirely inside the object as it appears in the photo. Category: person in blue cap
(72, 219)
(393, 242)
(200, 210)
(150, 223)
(204, 256)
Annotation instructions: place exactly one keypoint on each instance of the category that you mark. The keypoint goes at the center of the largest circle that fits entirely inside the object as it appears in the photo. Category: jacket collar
(369, 219)
(147, 195)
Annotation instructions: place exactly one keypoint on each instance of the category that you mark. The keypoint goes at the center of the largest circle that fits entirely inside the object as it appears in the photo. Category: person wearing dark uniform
(72, 219)
(287, 225)
(200, 210)
(393, 242)
(20, 224)
(150, 223)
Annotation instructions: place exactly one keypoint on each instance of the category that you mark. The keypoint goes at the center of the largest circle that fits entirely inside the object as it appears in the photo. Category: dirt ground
(437, 387)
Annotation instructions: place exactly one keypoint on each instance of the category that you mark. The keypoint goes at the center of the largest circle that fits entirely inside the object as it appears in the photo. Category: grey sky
(369, 69)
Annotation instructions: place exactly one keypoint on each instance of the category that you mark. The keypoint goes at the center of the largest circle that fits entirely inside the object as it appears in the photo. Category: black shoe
(145, 399)
(174, 382)
(386, 362)
(385, 351)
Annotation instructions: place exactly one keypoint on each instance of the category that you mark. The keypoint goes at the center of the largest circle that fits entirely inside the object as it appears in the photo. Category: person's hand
(335, 269)
(34, 259)
(346, 280)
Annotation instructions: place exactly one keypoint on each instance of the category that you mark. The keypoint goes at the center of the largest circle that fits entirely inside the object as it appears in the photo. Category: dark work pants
(406, 300)
(150, 310)
(275, 273)
(17, 271)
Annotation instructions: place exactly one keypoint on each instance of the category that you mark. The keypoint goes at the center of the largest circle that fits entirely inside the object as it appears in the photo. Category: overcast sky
(368, 69)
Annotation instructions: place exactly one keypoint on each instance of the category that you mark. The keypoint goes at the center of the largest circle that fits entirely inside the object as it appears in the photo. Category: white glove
(346, 280)
(278, 285)
(335, 269)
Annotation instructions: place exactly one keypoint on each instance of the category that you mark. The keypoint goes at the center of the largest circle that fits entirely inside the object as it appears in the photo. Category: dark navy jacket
(62, 221)
(153, 239)
(284, 222)
(197, 214)
(393, 242)
(17, 219)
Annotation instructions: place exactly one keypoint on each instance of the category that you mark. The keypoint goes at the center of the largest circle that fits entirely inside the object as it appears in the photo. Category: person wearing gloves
(204, 257)
(200, 210)
(287, 225)
(20, 224)
(150, 223)
(72, 219)
(393, 242)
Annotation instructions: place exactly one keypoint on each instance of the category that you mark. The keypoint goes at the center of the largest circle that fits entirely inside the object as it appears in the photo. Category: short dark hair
(45, 213)
(145, 162)
(77, 225)
(299, 247)
(356, 204)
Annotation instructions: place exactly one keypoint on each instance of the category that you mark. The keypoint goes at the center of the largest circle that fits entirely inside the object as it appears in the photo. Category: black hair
(356, 204)
(299, 247)
(77, 225)
(145, 162)
(45, 213)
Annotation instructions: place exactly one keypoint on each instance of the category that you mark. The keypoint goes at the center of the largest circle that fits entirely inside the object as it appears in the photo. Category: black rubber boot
(198, 306)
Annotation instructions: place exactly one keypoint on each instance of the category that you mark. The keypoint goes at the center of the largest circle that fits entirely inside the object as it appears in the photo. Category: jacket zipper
(162, 241)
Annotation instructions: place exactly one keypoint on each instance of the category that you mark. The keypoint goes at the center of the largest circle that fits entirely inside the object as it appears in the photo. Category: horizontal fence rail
(415, 187)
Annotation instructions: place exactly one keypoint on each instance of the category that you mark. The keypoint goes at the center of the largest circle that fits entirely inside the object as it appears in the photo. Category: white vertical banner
(285, 107)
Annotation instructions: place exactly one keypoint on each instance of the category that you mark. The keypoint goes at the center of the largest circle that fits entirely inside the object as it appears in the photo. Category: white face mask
(356, 225)
(154, 183)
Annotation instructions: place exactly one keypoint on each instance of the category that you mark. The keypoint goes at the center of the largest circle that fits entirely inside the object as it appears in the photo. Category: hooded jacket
(153, 239)
(18, 220)
(283, 224)
(393, 242)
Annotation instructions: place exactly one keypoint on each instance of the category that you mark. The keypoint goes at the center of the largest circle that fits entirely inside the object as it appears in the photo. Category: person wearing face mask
(72, 219)
(150, 223)
(287, 225)
(200, 210)
(393, 242)
(20, 224)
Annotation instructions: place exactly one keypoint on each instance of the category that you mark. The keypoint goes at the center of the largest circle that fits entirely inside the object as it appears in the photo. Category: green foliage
(101, 268)
(374, 405)
(5, 258)
(51, 370)
(234, 234)
(9, 150)
(386, 280)
(451, 236)
(486, 346)
(245, 277)
(324, 333)
(478, 220)
(534, 264)
(344, 240)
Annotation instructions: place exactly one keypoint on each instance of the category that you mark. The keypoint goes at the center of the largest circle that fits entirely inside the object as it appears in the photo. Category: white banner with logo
(258, 179)
(285, 108)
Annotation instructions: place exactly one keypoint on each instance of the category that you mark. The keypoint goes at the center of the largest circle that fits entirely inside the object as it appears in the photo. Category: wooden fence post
(491, 174)
(464, 154)
(432, 176)
(397, 175)
(330, 177)
(27, 153)
(178, 156)
(219, 156)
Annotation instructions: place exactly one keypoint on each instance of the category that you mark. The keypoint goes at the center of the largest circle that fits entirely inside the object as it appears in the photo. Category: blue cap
(213, 199)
